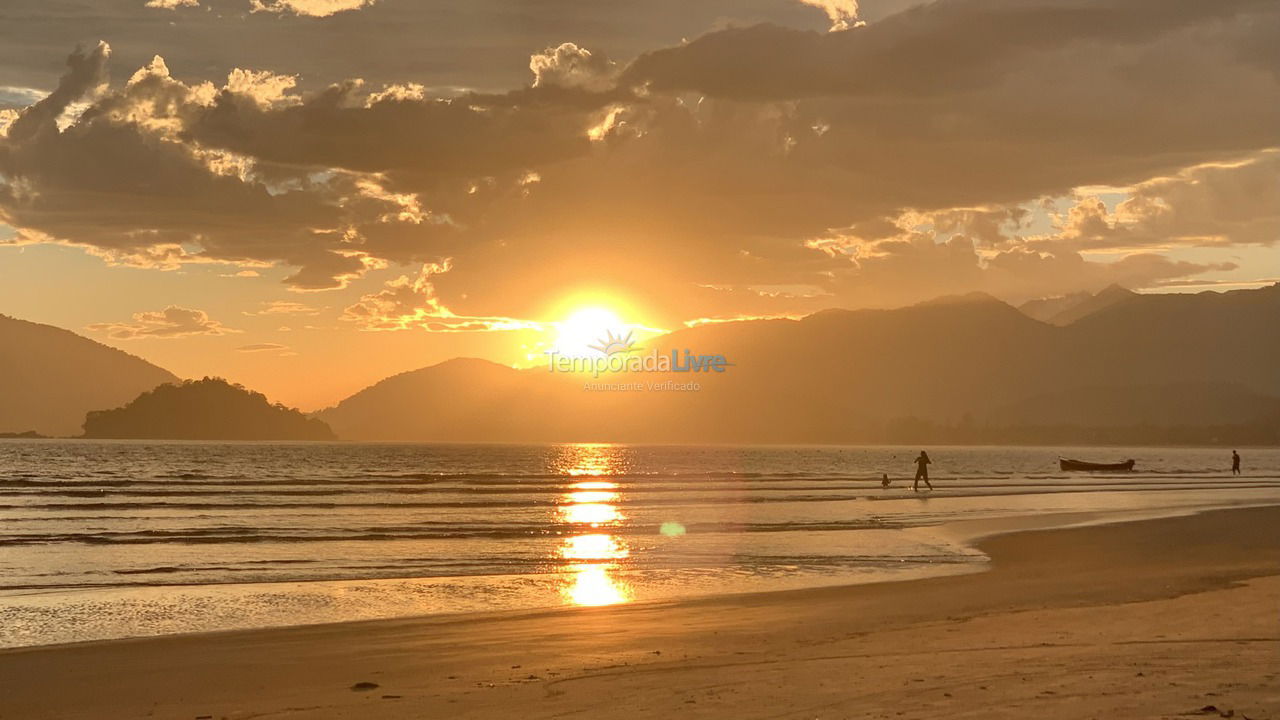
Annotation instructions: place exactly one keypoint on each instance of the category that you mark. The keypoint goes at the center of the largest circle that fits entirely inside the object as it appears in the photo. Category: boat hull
(1082, 466)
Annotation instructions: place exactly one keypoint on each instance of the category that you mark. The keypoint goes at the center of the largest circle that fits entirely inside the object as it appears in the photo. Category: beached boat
(1068, 464)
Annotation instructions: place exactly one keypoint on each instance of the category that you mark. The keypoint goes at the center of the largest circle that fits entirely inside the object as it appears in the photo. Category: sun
(592, 324)
(581, 333)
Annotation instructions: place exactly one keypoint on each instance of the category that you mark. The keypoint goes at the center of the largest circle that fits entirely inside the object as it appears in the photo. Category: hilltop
(208, 409)
(50, 377)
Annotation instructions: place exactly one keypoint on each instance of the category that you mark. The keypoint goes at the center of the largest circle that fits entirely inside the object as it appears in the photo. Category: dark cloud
(1231, 203)
(118, 181)
(394, 133)
(939, 48)
(479, 44)
(751, 171)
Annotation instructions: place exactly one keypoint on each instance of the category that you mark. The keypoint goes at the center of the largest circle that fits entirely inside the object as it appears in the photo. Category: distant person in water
(884, 482)
(922, 471)
(1235, 463)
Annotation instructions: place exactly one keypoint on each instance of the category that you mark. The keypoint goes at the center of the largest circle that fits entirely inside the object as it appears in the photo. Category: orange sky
(201, 186)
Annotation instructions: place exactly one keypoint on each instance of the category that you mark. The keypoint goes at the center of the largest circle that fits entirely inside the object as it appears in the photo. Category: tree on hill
(208, 409)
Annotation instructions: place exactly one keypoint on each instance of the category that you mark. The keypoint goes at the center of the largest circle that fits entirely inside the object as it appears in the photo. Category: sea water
(104, 540)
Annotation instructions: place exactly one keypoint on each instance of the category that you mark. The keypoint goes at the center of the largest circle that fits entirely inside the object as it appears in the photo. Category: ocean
(102, 540)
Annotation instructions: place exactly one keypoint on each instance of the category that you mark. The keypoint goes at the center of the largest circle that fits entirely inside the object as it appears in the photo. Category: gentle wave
(420, 531)
(90, 487)
(138, 516)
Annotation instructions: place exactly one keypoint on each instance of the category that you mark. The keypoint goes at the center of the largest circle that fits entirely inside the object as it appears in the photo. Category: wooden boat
(1068, 465)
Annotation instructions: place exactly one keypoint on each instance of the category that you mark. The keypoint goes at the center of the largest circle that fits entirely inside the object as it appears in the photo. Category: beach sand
(1151, 619)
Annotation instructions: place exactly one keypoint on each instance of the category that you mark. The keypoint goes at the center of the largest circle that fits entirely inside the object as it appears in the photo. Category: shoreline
(652, 444)
(968, 533)
(1103, 571)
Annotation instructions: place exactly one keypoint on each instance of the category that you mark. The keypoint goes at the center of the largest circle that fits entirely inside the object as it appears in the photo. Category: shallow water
(115, 539)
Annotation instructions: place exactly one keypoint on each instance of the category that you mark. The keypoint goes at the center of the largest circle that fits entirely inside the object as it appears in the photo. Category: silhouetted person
(922, 471)
(1235, 463)
(884, 482)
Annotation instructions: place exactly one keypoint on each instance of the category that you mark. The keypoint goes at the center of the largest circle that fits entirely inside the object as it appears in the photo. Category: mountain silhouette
(1209, 337)
(1066, 310)
(460, 399)
(50, 377)
(208, 409)
(1177, 368)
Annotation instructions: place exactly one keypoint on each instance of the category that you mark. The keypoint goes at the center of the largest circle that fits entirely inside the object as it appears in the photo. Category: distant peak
(1115, 289)
(830, 313)
(459, 365)
(976, 297)
(467, 362)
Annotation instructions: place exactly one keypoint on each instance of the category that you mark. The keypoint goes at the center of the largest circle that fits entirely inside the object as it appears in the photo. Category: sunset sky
(306, 196)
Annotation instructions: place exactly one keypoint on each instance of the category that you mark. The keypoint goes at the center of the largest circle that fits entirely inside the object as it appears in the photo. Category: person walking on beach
(1235, 463)
(922, 471)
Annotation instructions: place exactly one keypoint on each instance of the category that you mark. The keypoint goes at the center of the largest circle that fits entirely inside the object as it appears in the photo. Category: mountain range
(1129, 368)
(1115, 366)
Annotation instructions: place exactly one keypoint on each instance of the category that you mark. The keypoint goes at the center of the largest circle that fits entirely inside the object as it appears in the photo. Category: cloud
(13, 98)
(1221, 203)
(752, 171)
(421, 140)
(310, 8)
(940, 48)
(262, 88)
(284, 307)
(261, 347)
(570, 66)
(479, 44)
(842, 13)
(121, 181)
(411, 303)
(305, 8)
(86, 73)
(956, 264)
(172, 322)
(7, 117)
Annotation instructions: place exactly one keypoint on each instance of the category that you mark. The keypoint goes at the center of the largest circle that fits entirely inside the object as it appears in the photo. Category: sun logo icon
(612, 344)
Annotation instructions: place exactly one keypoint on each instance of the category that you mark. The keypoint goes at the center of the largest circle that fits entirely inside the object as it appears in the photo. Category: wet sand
(1153, 619)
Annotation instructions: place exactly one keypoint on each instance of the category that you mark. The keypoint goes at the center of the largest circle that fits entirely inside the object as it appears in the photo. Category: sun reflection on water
(586, 497)
(593, 547)
(590, 459)
(592, 555)
(593, 514)
(593, 586)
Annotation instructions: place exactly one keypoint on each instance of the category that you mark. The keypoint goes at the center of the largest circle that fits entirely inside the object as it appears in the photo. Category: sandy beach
(781, 359)
(1157, 618)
